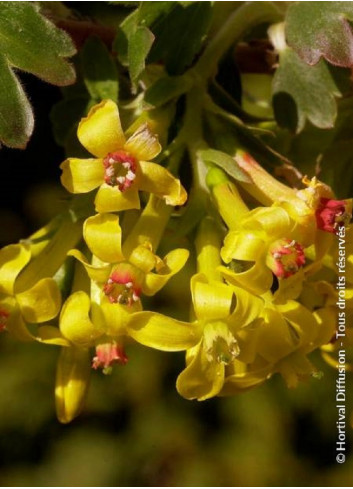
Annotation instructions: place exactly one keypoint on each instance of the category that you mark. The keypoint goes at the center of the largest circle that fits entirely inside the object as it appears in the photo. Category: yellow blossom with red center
(125, 272)
(314, 209)
(121, 167)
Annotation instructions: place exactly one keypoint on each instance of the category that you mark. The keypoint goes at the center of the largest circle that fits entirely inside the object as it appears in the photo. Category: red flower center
(122, 286)
(107, 354)
(287, 257)
(330, 213)
(120, 170)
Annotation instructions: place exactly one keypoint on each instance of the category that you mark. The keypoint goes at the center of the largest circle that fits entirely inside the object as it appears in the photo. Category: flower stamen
(332, 213)
(122, 288)
(107, 354)
(120, 170)
(285, 258)
(219, 343)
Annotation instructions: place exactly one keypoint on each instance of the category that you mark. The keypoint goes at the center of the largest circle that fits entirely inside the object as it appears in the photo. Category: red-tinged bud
(4, 315)
(285, 258)
(331, 213)
(107, 354)
(123, 285)
(120, 170)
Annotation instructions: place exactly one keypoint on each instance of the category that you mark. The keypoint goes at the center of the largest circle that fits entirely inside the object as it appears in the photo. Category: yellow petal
(162, 332)
(48, 262)
(248, 307)
(244, 245)
(275, 339)
(211, 300)
(75, 322)
(290, 288)
(98, 274)
(295, 367)
(117, 316)
(172, 264)
(102, 234)
(16, 326)
(72, 380)
(303, 322)
(143, 258)
(323, 241)
(100, 132)
(50, 335)
(274, 221)
(243, 381)
(247, 338)
(257, 279)
(326, 319)
(41, 302)
(81, 176)
(13, 259)
(201, 379)
(157, 180)
(110, 199)
(143, 145)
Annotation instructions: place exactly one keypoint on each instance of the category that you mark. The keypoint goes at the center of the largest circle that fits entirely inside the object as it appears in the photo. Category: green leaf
(321, 29)
(301, 92)
(226, 162)
(31, 43)
(139, 46)
(167, 88)
(150, 12)
(123, 35)
(16, 117)
(134, 40)
(179, 37)
(100, 74)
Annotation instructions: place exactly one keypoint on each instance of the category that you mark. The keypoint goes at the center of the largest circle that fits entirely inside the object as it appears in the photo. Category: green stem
(240, 20)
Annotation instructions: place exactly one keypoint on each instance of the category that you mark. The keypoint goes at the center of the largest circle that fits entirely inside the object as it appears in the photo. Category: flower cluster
(263, 295)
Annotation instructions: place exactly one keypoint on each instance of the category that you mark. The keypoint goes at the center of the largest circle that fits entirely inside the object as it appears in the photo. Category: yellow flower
(123, 274)
(82, 326)
(121, 167)
(314, 208)
(260, 243)
(262, 246)
(211, 341)
(20, 306)
(221, 312)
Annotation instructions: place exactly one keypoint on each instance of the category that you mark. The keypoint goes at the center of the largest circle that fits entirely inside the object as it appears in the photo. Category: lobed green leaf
(301, 92)
(321, 29)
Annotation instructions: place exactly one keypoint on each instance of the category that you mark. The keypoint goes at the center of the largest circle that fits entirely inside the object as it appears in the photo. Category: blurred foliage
(136, 431)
